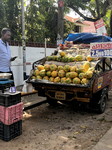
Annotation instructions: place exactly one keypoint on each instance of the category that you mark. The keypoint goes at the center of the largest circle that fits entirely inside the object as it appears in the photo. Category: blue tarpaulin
(87, 38)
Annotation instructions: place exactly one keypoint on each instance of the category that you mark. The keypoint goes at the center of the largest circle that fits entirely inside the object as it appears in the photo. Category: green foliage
(92, 10)
(39, 21)
(9, 12)
(106, 20)
(39, 17)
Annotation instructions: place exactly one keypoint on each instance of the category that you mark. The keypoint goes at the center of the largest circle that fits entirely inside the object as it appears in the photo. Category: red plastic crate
(12, 114)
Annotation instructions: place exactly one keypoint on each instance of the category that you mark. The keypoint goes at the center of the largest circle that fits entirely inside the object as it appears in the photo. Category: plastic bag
(27, 87)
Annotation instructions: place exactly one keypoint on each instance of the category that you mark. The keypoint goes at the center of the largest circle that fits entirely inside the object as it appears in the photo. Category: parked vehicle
(95, 92)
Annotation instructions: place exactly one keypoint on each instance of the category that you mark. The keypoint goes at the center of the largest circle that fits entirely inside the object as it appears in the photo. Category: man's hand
(13, 58)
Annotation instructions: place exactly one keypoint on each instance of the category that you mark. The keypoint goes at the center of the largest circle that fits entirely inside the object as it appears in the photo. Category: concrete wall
(32, 54)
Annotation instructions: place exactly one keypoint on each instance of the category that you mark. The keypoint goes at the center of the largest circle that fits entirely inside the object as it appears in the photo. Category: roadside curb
(105, 143)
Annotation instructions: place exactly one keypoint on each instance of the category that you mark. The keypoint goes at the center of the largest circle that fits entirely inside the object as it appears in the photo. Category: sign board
(103, 49)
(59, 42)
(100, 81)
(60, 3)
(100, 27)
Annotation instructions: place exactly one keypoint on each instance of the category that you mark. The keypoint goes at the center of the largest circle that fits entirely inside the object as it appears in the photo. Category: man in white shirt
(5, 52)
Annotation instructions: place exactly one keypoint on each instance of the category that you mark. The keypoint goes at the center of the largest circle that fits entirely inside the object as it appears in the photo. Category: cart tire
(51, 102)
(102, 105)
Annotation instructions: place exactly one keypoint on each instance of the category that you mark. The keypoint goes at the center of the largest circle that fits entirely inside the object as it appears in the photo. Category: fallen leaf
(64, 142)
(101, 119)
(95, 141)
(93, 117)
(69, 121)
(70, 137)
(100, 136)
(56, 120)
(83, 127)
(76, 132)
(20, 149)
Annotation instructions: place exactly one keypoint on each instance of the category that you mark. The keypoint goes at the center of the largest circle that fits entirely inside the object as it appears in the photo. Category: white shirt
(5, 57)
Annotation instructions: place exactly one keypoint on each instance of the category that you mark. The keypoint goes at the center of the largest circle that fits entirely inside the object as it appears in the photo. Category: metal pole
(45, 47)
(60, 22)
(102, 37)
(23, 40)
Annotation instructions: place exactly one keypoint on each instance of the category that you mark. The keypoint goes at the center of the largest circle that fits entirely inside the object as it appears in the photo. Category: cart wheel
(52, 102)
(102, 105)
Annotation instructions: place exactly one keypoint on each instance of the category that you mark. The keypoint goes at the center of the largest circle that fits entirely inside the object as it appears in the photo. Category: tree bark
(94, 18)
(110, 1)
(98, 9)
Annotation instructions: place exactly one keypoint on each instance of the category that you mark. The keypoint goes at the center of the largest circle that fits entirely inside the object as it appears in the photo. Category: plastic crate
(9, 115)
(7, 99)
(9, 132)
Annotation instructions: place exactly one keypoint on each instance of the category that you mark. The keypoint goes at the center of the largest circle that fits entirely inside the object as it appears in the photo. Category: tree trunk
(110, 1)
(111, 25)
(98, 9)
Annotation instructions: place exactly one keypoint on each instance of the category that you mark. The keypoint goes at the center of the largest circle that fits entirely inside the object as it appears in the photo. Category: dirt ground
(60, 128)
